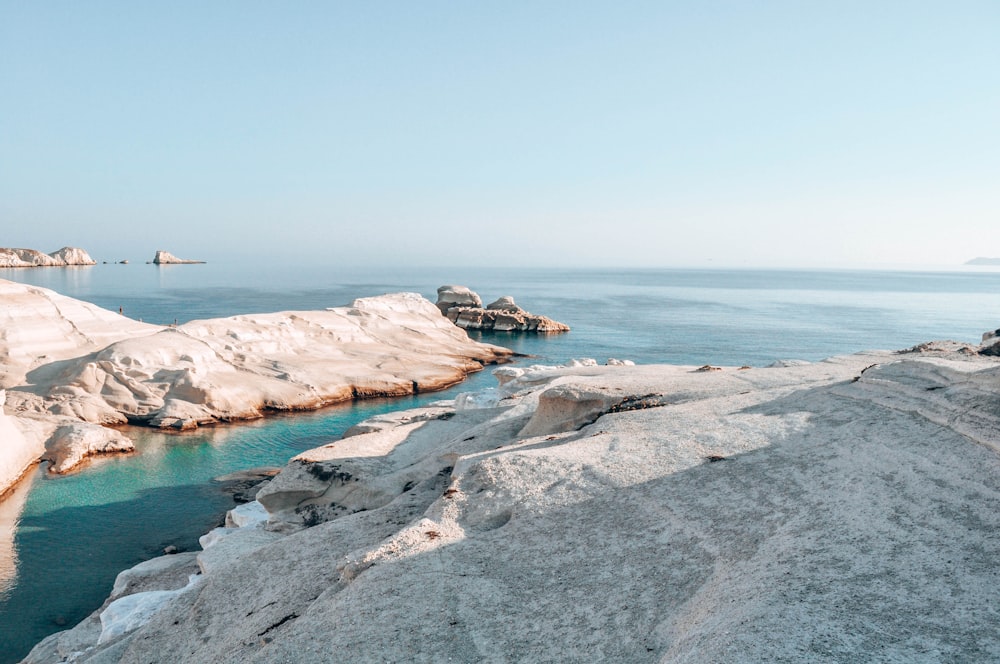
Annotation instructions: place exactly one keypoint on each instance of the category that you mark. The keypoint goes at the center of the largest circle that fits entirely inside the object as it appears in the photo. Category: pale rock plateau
(835, 511)
(73, 371)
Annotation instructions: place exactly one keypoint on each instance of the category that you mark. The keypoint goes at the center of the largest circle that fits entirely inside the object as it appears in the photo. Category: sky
(628, 134)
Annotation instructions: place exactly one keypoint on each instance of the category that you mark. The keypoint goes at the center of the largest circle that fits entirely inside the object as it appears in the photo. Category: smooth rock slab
(781, 514)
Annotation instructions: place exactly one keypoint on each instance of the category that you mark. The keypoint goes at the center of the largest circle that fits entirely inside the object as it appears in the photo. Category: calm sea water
(66, 538)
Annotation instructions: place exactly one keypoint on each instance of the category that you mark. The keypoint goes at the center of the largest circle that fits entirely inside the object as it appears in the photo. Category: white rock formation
(167, 258)
(39, 327)
(657, 514)
(33, 258)
(465, 309)
(18, 452)
(72, 442)
(504, 303)
(71, 367)
(130, 612)
(457, 296)
(73, 256)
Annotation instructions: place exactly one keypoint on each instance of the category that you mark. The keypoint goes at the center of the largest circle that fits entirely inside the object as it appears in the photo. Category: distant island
(982, 260)
(167, 258)
(34, 258)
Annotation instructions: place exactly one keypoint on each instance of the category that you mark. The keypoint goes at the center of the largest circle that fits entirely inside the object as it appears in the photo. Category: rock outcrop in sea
(73, 370)
(167, 258)
(465, 308)
(617, 513)
(33, 258)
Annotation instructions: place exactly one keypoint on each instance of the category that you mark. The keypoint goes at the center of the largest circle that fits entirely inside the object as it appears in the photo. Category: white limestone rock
(240, 367)
(721, 516)
(567, 408)
(71, 443)
(234, 548)
(167, 258)
(247, 515)
(488, 398)
(131, 612)
(214, 536)
(74, 366)
(457, 296)
(39, 327)
(505, 303)
(464, 308)
(73, 256)
(169, 572)
(33, 258)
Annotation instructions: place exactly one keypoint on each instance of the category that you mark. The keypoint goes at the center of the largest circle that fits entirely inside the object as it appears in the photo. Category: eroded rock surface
(73, 369)
(620, 513)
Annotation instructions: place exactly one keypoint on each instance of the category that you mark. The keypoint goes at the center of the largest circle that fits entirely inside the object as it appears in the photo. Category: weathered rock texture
(32, 258)
(840, 511)
(167, 258)
(72, 368)
(465, 308)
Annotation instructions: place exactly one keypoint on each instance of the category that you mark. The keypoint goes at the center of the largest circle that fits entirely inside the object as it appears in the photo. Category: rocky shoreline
(72, 371)
(811, 511)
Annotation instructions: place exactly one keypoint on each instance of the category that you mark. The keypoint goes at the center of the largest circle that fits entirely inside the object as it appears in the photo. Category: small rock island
(167, 258)
(464, 308)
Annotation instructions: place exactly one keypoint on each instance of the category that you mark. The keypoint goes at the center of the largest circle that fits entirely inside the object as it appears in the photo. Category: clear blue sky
(508, 133)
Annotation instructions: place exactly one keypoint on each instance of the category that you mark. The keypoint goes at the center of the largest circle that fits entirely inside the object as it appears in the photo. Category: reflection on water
(64, 280)
(11, 508)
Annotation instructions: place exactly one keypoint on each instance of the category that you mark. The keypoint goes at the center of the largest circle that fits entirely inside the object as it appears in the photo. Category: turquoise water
(75, 533)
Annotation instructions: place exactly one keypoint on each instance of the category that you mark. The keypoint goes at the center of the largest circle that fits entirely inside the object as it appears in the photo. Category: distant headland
(982, 260)
(34, 258)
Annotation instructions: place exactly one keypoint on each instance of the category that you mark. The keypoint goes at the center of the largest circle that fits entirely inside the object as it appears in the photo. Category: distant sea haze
(77, 532)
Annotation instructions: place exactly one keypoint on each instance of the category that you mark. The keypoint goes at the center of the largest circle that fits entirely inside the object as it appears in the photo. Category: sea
(64, 539)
